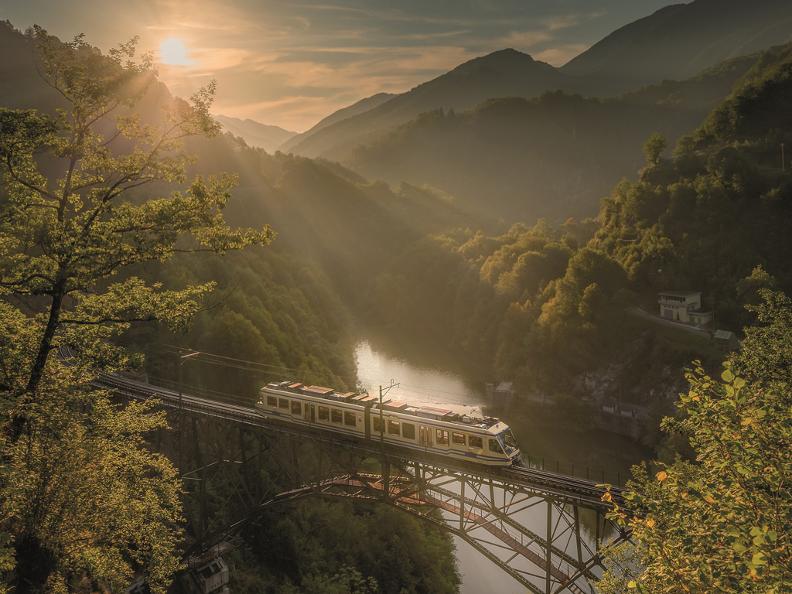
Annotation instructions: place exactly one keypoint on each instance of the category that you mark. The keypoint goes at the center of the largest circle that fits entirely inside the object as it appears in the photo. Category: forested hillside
(554, 156)
(277, 304)
(547, 304)
(721, 206)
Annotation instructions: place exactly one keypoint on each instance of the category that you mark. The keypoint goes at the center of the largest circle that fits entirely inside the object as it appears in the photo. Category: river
(556, 441)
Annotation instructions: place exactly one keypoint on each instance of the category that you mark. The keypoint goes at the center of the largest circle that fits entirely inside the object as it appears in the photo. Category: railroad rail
(573, 488)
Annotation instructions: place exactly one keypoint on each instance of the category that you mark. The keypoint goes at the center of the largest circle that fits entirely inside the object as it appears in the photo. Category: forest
(132, 226)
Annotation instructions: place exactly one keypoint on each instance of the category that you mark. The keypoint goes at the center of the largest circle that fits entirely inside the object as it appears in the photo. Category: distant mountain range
(505, 73)
(256, 134)
(347, 112)
(675, 42)
(553, 156)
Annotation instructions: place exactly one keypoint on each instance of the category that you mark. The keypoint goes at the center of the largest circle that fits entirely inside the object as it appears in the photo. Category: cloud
(525, 39)
(292, 62)
(560, 55)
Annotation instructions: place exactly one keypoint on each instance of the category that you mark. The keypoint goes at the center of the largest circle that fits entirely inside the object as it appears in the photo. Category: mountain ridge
(256, 134)
(680, 40)
(505, 72)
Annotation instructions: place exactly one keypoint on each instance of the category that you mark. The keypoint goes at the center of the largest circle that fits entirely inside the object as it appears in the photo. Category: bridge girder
(494, 517)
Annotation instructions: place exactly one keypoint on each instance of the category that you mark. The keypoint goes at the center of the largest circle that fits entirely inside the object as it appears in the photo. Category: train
(486, 440)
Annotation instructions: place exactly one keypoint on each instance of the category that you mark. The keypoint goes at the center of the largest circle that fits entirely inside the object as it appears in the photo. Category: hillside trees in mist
(543, 305)
(84, 501)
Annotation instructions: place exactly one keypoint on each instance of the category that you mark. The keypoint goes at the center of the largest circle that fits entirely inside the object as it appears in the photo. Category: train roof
(365, 399)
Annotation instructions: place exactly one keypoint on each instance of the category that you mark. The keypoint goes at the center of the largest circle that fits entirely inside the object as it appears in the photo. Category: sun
(173, 52)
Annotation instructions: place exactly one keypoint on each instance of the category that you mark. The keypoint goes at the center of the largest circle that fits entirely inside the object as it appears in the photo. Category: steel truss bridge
(546, 530)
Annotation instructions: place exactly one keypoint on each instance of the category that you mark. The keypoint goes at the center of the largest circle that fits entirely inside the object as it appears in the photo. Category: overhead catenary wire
(244, 365)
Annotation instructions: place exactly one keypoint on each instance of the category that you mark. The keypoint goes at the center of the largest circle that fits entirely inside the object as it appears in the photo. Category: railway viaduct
(546, 530)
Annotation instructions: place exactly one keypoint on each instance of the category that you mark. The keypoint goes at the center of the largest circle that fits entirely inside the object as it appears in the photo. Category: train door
(310, 412)
(425, 436)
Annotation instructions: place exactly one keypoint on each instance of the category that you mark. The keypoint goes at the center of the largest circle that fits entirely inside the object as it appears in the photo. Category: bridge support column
(548, 549)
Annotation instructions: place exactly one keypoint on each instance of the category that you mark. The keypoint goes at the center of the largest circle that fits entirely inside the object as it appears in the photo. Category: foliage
(396, 553)
(653, 148)
(85, 501)
(719, 522)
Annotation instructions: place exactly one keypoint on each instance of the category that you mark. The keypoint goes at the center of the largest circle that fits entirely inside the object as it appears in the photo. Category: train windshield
(507, 438)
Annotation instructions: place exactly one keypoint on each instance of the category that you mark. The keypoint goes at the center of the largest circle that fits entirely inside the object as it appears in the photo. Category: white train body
(432, 430)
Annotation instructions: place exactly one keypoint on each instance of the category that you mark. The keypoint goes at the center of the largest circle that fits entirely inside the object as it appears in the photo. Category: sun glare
(172, 51)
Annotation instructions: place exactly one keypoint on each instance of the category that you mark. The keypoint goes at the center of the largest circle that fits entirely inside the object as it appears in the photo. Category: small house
(684, 307)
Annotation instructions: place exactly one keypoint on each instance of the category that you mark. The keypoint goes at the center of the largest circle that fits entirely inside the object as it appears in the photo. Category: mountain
(255, 133)
(346, 112)
(676, 42)
(553, 156)
(679, 41)
(505, 73)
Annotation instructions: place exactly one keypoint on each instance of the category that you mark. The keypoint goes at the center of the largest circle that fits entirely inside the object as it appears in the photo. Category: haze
(292, 63)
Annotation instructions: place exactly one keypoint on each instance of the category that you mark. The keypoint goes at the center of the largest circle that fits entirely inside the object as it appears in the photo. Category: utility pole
(783, 160)
(182, 359)
(382, 392)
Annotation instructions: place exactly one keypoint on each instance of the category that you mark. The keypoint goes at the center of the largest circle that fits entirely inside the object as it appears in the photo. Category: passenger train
(433, 430)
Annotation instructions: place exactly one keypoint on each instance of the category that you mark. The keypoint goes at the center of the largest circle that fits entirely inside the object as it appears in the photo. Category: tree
(653, 148)
(82, 497)
(720, 522)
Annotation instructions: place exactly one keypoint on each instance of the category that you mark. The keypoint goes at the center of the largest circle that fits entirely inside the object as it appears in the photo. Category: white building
(683, 306)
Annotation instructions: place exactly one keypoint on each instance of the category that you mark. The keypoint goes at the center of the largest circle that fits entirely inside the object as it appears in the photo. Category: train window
(393, 427)
(442, 437)
(377, 424)
(494, 446)
(336, 416)
(350, 419)
(408, 430)
(283, 403)
(458, 437)
(296, 407)
(272, 402)
(475, 442)
(324, 413)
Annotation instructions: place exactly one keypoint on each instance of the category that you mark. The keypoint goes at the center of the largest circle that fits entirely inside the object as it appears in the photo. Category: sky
(292, 62)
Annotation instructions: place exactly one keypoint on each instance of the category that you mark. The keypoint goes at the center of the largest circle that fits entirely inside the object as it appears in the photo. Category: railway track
(575, 489)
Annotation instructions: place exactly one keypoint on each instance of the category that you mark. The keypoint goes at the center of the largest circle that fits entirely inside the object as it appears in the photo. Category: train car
(434, 430)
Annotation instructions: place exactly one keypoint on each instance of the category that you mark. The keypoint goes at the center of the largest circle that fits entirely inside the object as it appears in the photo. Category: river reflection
(545, 435)
(416, 384)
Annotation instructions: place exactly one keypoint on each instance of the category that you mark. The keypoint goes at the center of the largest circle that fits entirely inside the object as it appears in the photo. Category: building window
(377, 424)
(442, 437)
(494, 446)
(336, 416)
(393, 427)
(475, 442)
(408, 430)
(283, 403)
(296, 407)
(324, 413)
(350, 419)
(272, 402)
(458, 438)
